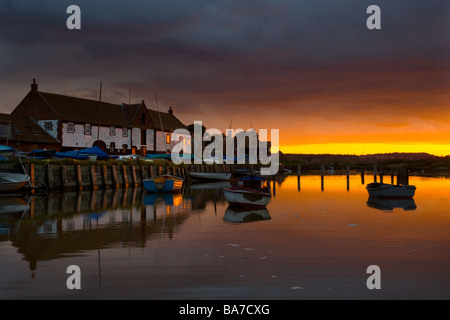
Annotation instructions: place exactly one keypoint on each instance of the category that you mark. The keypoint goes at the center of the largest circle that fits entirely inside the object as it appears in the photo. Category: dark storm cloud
(230, 56)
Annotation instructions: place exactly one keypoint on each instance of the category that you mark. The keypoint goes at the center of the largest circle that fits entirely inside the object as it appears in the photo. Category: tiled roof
(25, 129)
(169, 121)
(86, 111)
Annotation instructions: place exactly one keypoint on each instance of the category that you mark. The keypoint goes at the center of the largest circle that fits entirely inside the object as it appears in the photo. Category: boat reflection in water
(13, 205)
(241, 214)
(390, 204)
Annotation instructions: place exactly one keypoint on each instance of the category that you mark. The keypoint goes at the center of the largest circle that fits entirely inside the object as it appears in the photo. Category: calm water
(310, 243)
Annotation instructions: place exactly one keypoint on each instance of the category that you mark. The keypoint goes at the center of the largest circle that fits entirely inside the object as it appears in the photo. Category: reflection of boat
(391, 204)
(385, 190)
(331, 170)
(164, 183)
(12, 181)
(239, 214)
(211, 175)
(246, 197)
(166, 198)
(12, 205)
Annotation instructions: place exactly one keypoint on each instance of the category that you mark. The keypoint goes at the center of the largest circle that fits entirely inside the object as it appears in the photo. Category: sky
(310, 68)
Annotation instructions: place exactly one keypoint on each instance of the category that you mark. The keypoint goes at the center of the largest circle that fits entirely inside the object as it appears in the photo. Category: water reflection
(239, 214)
(391, 204)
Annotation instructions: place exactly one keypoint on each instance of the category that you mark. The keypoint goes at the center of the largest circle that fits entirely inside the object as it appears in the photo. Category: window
(48, 126)
(184, 141)
(87, 128)
(125, 132)
(124, 148)
(168, 138)
(33, 130)
(143, 137)
(71, 127)
(4, 131)
(112, 131)
(17, 130)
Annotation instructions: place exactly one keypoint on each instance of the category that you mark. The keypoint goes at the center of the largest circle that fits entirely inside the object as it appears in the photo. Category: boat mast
(162, 129)
(98, 118)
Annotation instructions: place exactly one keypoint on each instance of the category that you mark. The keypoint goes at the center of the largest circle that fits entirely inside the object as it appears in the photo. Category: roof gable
(25, 129)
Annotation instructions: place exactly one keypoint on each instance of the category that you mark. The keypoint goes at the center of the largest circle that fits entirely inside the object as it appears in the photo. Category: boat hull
(12, 181)
(211, 176)
(165, 183)
(246, 197)
(390, 191)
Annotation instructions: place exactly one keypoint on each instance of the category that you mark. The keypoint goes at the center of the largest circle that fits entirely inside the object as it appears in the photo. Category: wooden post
(105, 176)
(299, 173)
(133, 174)
(381, 174)
(322, 171)
(93, 178)
(348, 177)
(50, 176)
(362, 176)
(64, 181)
(125, 178)
(115, 177)
(79, 179)
(375, 173)
(392, 176)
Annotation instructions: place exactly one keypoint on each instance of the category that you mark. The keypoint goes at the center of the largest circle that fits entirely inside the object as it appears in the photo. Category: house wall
(161, 147)
(78, 139)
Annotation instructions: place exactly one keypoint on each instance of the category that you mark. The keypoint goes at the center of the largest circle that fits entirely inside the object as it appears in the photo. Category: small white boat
(164, 183)
(239, 214)
(246, 197)
(384, 190)
(211, 176)
(12, 181)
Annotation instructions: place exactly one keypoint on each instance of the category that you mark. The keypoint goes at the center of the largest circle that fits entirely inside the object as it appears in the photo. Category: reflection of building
(81, 123)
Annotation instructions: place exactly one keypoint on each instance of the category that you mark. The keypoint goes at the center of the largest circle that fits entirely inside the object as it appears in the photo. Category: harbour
(313, 244)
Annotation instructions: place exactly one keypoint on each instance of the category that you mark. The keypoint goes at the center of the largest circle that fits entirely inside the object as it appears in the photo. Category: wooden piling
(322, 172)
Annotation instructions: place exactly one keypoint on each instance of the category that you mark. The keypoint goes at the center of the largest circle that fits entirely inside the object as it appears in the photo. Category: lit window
(87, 128)
(71, 127)
(168, 138)
(184, 141)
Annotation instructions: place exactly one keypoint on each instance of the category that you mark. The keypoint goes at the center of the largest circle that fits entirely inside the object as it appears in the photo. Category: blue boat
(163, 183)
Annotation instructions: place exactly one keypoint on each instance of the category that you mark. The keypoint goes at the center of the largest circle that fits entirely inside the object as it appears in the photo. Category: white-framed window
(87, 128)
(70, 127)
(112, 131)
(125, 132)
(48, 125)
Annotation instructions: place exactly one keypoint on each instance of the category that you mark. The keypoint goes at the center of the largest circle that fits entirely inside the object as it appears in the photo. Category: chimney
(171, 111)
(34, 86)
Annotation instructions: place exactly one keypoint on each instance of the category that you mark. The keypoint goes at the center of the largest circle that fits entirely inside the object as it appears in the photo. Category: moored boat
(384, 190)
(163, 183)
(211, 175)
(10, 181)
(246, 197)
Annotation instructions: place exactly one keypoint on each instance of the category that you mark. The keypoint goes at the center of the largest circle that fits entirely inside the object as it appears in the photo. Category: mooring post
(322, 171)
(348, 177)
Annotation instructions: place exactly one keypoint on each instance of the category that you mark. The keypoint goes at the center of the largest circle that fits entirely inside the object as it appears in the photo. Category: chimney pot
(34, 85)
(170, 111)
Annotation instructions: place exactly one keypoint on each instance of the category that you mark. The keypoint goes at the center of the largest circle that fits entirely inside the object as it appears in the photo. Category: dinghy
(163, 183)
